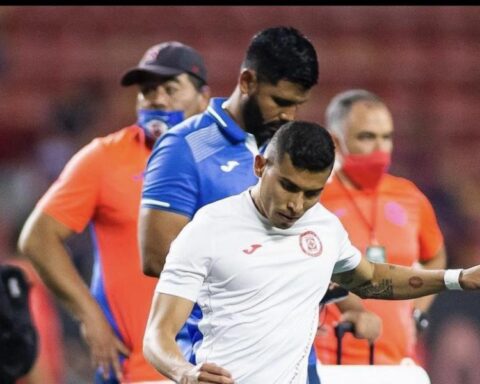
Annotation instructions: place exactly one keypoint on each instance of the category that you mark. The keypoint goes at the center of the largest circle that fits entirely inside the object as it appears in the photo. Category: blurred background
(59, 88)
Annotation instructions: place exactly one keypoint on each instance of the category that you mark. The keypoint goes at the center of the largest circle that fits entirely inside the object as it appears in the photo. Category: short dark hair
(309, 146)
(282, 53)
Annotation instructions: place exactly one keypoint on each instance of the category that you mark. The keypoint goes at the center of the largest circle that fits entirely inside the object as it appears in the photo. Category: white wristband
(452, 279)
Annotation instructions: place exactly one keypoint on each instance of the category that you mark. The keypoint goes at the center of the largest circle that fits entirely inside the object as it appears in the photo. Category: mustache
(274, 125)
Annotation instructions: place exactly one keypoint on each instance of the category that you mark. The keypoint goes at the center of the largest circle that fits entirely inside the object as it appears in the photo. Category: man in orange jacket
(388, 218)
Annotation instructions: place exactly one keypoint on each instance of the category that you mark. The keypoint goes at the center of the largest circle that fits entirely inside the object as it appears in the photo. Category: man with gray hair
(388, 219)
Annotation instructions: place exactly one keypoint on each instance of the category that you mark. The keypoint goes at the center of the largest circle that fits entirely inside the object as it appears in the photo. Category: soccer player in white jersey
(258, 264)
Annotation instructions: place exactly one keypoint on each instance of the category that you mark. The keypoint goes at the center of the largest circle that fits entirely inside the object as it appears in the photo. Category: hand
(207, 373)
(470, 278)
(367, 325)
(104, 346)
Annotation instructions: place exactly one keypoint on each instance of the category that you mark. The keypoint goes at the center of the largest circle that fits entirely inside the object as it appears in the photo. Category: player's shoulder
(192, 124)
(113, 145)
(323, 216)
(221, 210)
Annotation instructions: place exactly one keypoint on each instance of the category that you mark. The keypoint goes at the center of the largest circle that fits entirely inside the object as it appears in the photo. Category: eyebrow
(283, 102)
(295, 186)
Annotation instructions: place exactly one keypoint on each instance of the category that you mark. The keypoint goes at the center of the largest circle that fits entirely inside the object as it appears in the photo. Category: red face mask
(366, 171)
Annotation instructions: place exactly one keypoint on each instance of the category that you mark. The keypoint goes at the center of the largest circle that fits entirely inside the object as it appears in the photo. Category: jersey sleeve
(171, 180)
(430, 235)
(73, 197)
(188, 262)
(349, 256)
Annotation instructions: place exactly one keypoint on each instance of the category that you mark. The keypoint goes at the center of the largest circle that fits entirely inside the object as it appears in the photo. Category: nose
(289, 113)
(159, 98)
(382, 145)
(295, 204)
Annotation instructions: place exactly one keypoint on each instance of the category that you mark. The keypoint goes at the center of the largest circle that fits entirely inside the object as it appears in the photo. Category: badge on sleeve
(376, 254)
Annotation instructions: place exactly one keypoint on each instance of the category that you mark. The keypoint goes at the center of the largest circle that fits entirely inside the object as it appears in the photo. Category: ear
(259, 165)
(204, 96)
(247, 81)
(337, 142)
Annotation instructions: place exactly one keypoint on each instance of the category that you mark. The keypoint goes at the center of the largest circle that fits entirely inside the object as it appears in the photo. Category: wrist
(452, 279)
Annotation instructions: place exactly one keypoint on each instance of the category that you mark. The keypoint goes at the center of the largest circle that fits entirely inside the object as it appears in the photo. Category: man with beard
(101, 186)
(210, 156)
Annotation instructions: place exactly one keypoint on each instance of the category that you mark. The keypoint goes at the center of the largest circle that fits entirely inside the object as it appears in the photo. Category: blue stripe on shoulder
(204, 142)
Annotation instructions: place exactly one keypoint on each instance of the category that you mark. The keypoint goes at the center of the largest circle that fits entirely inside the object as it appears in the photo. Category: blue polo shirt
(204, 159)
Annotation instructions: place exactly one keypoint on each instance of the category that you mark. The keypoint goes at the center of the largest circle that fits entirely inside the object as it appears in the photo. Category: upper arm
(157, 230)
(171, 181)
(73, 197)
(439, 261)
(430, 236)
(356, 277)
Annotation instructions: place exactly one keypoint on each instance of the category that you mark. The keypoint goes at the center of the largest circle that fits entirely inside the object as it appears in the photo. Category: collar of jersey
(230, 127)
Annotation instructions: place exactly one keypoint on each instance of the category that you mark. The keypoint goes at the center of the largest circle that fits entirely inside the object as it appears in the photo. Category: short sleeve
(430, 235)
(349, 256)
(73, 197)
(188, 262)
(171, 180)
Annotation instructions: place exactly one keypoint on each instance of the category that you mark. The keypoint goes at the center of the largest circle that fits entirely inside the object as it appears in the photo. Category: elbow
(28, 242)
(147, 348)
(151, 269)
(152, 262)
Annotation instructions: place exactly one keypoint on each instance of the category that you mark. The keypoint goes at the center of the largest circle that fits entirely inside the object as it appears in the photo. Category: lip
(288, 217)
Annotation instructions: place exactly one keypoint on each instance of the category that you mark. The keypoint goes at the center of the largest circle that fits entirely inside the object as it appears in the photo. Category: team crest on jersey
(310, 244)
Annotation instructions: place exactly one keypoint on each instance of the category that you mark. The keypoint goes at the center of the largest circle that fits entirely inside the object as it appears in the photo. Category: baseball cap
(167, 59)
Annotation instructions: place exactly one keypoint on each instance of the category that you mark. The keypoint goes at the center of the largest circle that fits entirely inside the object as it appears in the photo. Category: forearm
(392, 282)
(57, 271)
(48, 254)
(439, 261)
(163, 354)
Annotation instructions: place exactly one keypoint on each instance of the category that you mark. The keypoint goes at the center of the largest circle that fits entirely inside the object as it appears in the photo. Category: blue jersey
(204, 159)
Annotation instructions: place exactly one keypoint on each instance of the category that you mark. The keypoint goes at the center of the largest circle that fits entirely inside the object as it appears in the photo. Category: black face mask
(253, 120)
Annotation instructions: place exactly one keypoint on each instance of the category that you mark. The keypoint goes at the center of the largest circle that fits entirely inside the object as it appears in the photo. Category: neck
(255, 195)
(233, 107)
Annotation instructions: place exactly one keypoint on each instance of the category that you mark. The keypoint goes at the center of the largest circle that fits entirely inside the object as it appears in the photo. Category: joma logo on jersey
(229, 166)
(251, 249)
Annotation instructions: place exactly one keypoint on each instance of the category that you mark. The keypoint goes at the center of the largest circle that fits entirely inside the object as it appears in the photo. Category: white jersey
(258, 286)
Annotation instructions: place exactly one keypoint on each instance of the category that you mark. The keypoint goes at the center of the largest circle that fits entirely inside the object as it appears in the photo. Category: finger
(122, 347)
(206, 377)
(215, 369)
(117, 368)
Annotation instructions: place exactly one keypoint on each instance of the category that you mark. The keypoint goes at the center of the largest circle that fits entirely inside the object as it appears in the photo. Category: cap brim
(140, 74)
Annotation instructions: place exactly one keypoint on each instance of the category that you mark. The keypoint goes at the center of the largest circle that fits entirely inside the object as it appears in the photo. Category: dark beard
(253, 120)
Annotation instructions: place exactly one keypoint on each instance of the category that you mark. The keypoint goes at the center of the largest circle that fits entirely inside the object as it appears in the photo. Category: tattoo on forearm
(381, 290)
(345, 279)
(415, 282)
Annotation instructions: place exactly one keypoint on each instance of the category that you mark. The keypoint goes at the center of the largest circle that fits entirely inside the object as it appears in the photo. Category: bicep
(157, 230)
(356, 277)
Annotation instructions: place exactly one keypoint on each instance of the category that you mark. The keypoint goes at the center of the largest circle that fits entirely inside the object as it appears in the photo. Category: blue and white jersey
(204, 159)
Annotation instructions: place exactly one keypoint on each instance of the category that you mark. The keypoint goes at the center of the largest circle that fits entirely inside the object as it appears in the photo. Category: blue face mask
(156, 122)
